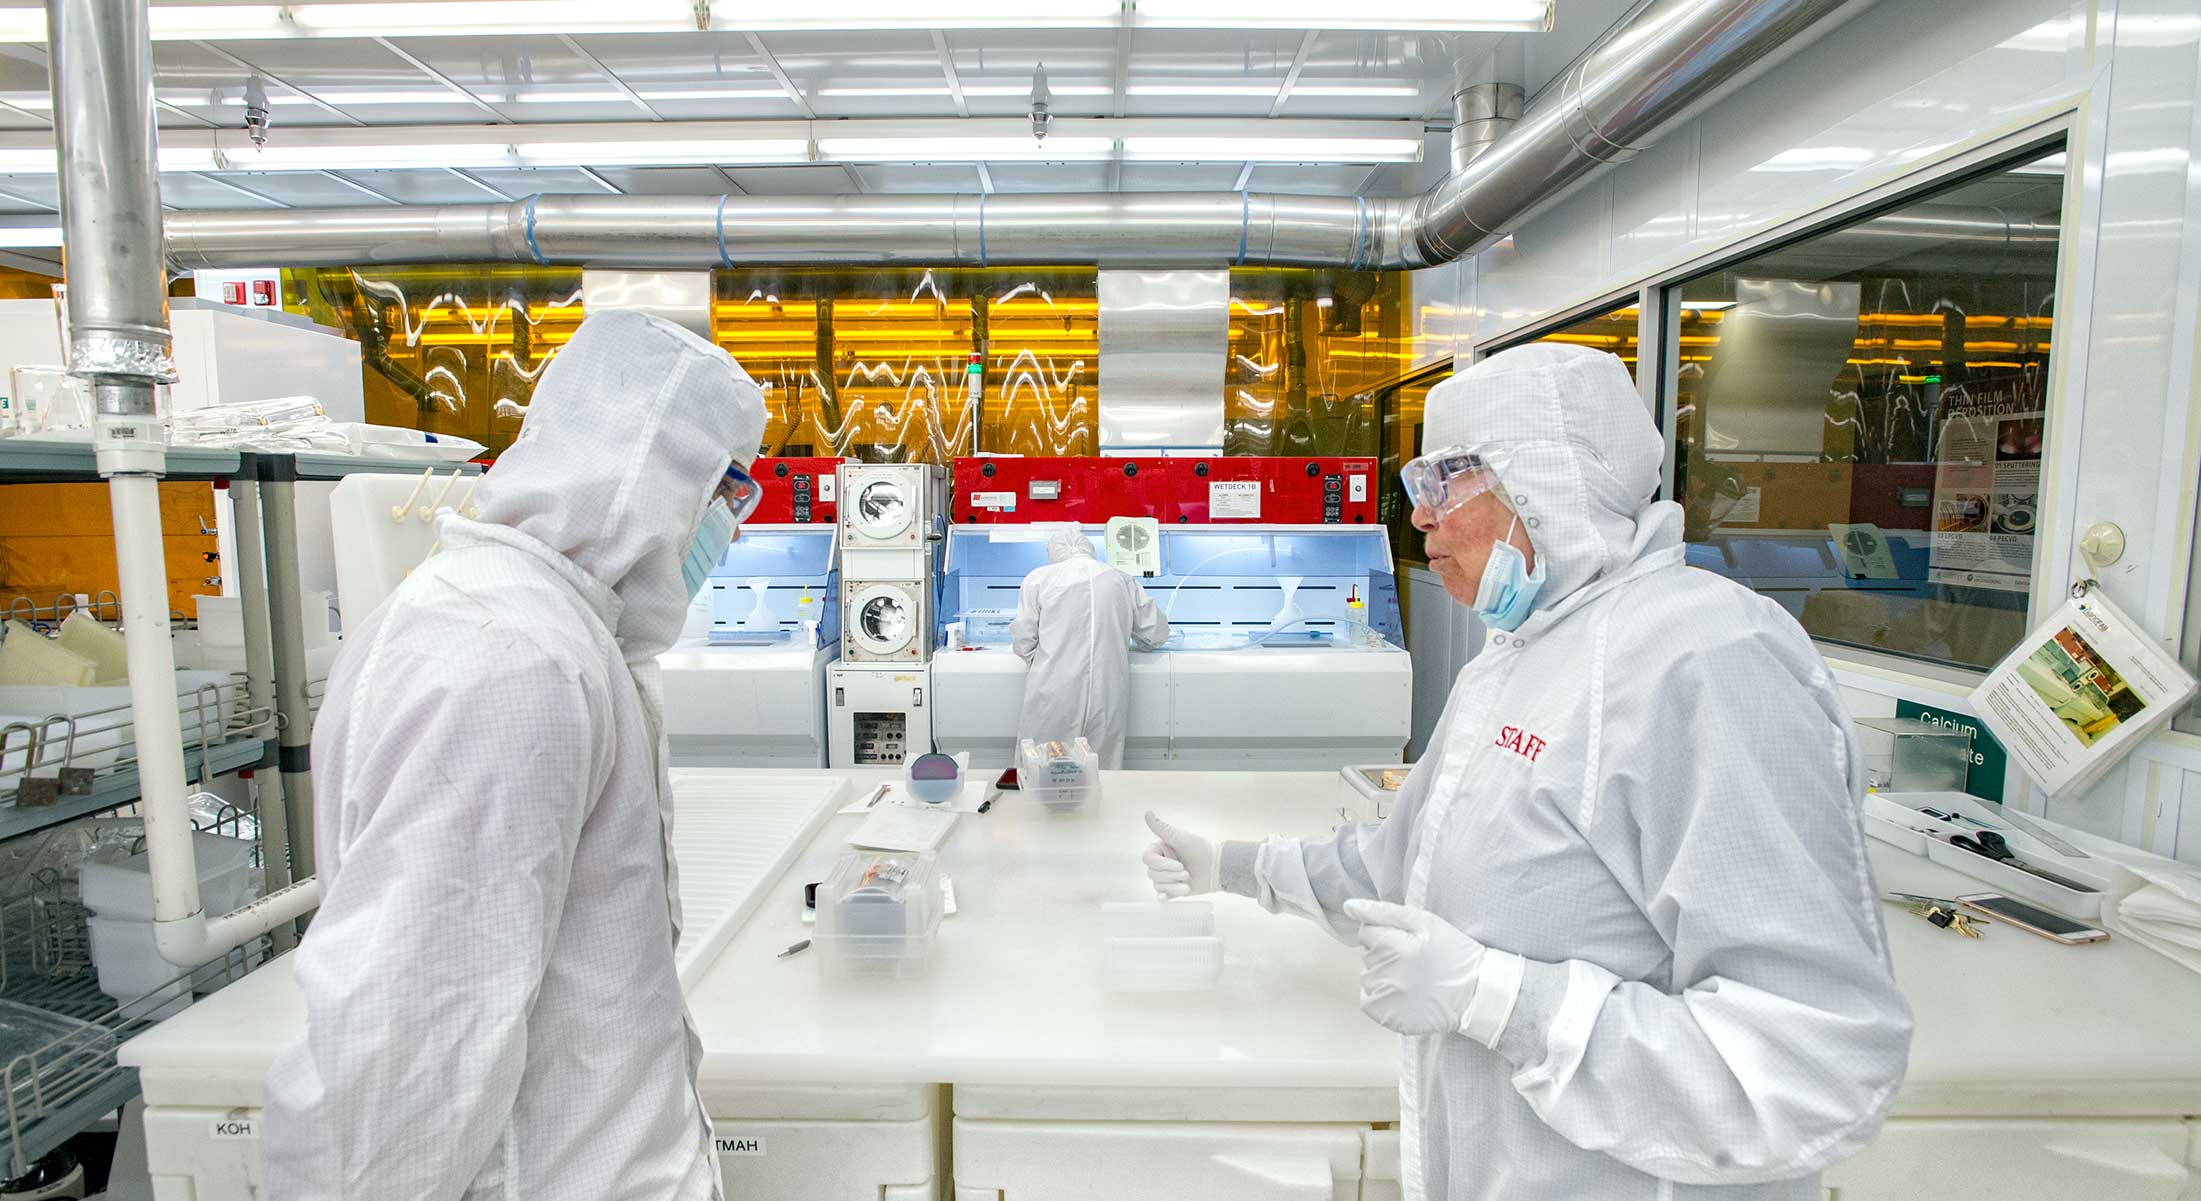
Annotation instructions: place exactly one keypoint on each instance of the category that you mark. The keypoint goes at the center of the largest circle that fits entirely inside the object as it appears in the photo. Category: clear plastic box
(1062, 777)
(1159, 947)
(878, 912)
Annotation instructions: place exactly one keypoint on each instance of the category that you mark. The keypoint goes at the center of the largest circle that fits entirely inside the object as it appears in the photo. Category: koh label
(236, 1128)
(742, 1146)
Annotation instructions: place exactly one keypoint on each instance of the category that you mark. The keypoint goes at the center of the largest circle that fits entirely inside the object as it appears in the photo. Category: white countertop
(2010, 1025)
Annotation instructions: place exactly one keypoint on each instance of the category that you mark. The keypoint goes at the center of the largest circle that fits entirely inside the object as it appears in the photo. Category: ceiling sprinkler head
(257, 116)
(1040, 99)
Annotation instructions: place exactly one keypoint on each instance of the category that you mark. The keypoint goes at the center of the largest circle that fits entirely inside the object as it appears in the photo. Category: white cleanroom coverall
(492, 1009)
(1075, 619)
(1645, 803)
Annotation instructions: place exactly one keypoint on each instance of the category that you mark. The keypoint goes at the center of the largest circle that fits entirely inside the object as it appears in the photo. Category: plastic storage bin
(1159, 947)
(1922, 756)
(119, 893)
(1062, 777)
(878, 912)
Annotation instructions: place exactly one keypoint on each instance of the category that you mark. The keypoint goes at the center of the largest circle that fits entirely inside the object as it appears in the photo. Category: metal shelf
(47, 1096)
(112, 790)
(314, 466)
(38, 461)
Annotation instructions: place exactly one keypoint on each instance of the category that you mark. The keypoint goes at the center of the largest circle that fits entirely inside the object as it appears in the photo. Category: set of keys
(1940, 911)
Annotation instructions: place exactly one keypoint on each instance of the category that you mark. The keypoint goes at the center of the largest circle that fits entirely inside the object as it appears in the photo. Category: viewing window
(1614, 333)
(1859, 418)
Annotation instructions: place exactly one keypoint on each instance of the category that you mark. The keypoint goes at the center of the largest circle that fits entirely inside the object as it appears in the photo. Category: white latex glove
(1418, 972)
(1181, 864)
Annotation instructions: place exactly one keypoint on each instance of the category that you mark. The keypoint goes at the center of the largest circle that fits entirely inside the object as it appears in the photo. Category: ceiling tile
(694, 77)
(1179, 177)
(1308, 179)
(25, 75)
(933, 178)
(187, 191)
(517, 182)
(42, 191)
(668, 181)
(877, 73)
(1049, 177)
(424, 187)
(303, 189)
(529, 79)
(792, 181)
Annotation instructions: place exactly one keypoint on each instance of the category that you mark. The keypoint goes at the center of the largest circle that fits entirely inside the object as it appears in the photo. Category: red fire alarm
(263, 291)
(233, 292)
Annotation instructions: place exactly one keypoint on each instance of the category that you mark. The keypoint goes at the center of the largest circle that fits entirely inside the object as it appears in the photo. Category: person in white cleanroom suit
(491, 1003)
(1621, 910)
(1076, 618)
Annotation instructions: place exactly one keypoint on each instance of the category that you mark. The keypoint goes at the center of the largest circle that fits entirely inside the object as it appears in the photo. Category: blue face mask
(712, 536)
(1508, 591)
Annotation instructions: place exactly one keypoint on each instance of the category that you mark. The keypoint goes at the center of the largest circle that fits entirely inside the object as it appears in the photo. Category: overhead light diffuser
(963, 150)
(897, 14)
(1272, 150)
(277, 156)
(1526, 16)
(29, 237)
(668, 152)
(41, 160)
(498, 17)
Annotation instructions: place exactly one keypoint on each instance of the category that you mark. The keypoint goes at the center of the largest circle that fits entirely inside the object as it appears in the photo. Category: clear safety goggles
(1443, 480)
(741, 494)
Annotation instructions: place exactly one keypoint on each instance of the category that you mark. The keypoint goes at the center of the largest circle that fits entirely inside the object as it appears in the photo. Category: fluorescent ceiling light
(1708, 306)
(1025, 89)
(1529, 16)
(279, 157)
(1355, 89)
(29, 237)
(335, 96)
(1203, 89)
(1269, 89)
(930, 90)
(40, 160)
(898, 14)
(765, 93)
(557, 97)
(498, 17)
(666, 152)
(1272, 150)
(39, 101)
(963, 150)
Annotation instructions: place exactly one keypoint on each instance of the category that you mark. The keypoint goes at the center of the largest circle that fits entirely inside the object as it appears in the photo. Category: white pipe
(191, 941)
(151, 654)
(182, 931)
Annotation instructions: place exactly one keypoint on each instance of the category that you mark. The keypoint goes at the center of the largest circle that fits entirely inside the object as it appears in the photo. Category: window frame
(1659, 294)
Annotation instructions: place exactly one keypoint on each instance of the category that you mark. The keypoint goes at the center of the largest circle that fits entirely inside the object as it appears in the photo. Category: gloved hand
(1418, 972)
(1182, 864)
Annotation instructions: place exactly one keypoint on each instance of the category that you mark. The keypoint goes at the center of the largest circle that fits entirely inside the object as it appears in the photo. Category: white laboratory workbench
(2039, 1072)
(1258, 708)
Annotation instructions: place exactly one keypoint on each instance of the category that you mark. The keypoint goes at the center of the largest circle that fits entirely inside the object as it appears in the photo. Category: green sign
(1989, 761)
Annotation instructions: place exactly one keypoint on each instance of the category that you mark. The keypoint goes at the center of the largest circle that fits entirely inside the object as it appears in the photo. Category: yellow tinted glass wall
(876, 364)
(1309, 350)
(449, 348)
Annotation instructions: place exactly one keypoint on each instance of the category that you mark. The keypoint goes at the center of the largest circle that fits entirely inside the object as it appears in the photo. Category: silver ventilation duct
(1655, 68)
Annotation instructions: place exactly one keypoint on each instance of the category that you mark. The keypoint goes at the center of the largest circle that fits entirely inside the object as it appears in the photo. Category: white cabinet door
(204, 1154)
(1155, 1161)
(1978, 1160)
(789, 1160)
